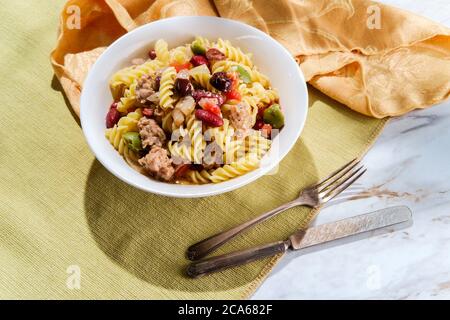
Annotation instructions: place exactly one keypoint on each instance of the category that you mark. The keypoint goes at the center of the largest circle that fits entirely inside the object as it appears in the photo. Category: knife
(311, 239)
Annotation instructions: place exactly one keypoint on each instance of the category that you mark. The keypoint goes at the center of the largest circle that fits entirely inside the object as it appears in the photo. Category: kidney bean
(209, 118)
(152, 54)
(260, 114)
(113, 116)
(198, 60)
(214, 54)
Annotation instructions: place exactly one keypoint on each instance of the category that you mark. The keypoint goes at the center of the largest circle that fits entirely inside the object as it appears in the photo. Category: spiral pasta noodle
(180, 54)
(198, 144)
(198, 177)
(203, 41)
(129, 98)
(162, 51)
(223, 66)
(260, 77)
(123, 79)
(235, 169)
(167, 83)
(256, 144)
(233, 53)
(181, 149)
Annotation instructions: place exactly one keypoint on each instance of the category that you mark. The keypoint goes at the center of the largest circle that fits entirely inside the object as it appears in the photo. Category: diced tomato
(266, 130)
(234, 95)
(212, 108)
(211, 105)
(199, 60)
(235, 80)
(181, 66)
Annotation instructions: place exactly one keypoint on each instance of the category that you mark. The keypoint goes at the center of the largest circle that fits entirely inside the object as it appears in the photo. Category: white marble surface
(408, 165)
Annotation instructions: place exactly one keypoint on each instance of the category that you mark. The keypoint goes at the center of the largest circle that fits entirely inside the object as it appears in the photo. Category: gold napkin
(376, 59)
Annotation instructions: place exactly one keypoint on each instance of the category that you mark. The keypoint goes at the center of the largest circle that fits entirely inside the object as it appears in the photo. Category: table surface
(408, 165)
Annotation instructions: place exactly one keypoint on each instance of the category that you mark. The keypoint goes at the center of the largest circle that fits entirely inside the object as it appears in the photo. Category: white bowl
(271, 58)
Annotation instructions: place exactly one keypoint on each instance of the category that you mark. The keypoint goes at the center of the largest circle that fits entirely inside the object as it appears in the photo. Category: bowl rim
(226, 188)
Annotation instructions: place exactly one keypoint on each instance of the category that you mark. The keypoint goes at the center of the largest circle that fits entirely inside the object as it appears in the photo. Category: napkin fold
(377, 60)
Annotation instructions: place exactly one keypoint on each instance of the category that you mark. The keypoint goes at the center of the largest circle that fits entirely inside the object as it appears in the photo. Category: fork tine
(334, 173)
(344, 184)
(333, 179)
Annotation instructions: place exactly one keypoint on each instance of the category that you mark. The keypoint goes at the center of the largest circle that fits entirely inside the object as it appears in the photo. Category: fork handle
(215, 264)
(204, 247)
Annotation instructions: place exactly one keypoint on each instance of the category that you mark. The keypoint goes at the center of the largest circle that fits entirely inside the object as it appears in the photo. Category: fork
(313, 196)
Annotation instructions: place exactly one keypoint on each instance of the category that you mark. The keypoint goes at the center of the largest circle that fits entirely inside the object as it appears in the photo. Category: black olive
(184, 87)
(220, 81)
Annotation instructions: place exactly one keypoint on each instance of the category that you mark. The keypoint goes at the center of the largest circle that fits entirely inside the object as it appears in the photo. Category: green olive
(243, 74)
(133, 141)
(198, 48)
(274, 116)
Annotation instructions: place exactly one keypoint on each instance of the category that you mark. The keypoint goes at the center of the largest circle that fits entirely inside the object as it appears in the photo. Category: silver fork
(313, 196)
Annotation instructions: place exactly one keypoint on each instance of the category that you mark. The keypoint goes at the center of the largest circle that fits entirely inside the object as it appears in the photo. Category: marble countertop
(408, 165)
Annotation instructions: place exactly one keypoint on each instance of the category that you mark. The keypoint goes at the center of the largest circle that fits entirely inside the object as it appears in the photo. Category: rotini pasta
(203, 41)
(233, 53)
(198, 177)
(129, 98)
(256, 144)
(162, 51)
(197, 141)
(207, 124)
(223, 66)
(235, 169)
(166, 88)
(181, 148)
(180, 54)
(122, 79)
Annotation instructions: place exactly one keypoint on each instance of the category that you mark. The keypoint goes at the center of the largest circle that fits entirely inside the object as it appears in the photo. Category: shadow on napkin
(148, 234)
(56, 85)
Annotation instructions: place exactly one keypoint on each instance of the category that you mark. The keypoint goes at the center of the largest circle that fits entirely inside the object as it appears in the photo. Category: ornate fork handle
(204, 247)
